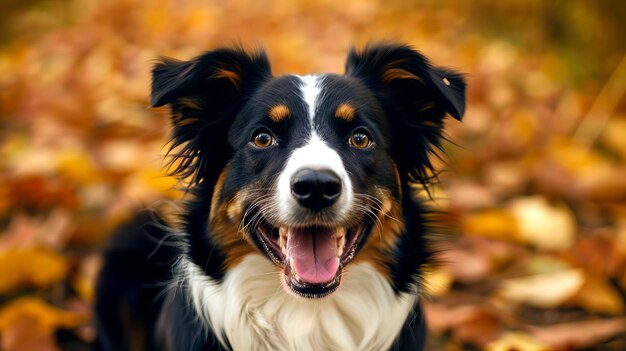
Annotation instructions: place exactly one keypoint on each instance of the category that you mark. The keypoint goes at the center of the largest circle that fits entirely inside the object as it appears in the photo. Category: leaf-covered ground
(534, 184)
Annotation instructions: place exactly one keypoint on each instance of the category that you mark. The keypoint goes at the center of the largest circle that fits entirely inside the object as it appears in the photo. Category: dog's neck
(254, 312)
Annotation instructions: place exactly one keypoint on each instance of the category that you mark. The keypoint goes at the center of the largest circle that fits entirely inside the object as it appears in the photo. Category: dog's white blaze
(310, 90)
(258, 314)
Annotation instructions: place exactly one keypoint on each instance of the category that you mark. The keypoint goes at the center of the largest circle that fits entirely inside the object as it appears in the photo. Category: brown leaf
(480, 329)
(25, 334)
(27, 231)
(579, 334)
(43, 317)
(441, 317)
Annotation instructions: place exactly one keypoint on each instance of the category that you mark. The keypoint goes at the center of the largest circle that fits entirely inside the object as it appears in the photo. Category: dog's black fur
(217, 101)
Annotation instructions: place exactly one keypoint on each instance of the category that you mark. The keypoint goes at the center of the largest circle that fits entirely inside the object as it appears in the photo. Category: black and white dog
(302, 232)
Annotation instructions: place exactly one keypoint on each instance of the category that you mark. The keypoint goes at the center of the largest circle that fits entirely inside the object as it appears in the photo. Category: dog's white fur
(251, 308)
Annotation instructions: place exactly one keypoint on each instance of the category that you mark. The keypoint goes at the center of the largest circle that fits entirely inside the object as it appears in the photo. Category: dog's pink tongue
(314, 253)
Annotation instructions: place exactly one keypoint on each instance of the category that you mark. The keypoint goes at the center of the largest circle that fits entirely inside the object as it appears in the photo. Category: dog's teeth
(341, 242)
(283, 244)
(283, 232)
(340, 232)
(292, 263)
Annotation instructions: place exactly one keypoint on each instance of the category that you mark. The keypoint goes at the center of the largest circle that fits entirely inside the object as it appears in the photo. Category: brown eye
(263, 140)
(360, 140)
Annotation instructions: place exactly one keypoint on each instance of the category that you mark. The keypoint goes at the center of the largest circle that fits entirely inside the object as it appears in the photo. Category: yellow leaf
(613, 136)
(517, 342)
(598, 295)
(438, 282)
(495, 224)
(48, 317)
(85, 280)
(30, 267)
(543, 225)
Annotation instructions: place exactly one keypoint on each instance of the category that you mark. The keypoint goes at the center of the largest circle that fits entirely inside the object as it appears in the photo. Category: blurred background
(535, 182)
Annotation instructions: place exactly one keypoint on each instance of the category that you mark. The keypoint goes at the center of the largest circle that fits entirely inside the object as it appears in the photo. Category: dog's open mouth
(312, 257)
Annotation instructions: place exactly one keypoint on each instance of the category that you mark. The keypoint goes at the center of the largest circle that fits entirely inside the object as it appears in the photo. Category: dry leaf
(597, 295)
(441, 317)
(25, 334)
(579, 334)
(29, 324)
(495, 224)
(85, 280)
(482, 329)
(34, 267)
(545, 290)
(437, 282)
(543, 225)
(517, 342)
(49, 318)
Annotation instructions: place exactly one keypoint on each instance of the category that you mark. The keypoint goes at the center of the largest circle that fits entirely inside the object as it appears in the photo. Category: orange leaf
(48, 318)
(30, 267)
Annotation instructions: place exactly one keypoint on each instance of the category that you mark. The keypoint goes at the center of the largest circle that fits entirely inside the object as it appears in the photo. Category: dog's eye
(263, 139)
(360, 139)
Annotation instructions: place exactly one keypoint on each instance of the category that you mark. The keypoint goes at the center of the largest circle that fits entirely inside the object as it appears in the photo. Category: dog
(300, 230)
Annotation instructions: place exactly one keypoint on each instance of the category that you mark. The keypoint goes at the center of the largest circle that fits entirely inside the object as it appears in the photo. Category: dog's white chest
(253, 310)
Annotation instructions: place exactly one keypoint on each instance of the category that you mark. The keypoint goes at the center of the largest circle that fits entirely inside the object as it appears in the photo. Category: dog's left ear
(415, 96)
(399, 72)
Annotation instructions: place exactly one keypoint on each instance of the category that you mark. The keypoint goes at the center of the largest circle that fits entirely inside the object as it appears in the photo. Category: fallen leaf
(546, 226)
(441, 317)
(85, 280)
(51, 232)
(495, 224)
(466, 266)
(544, 290)
(30, 267)
(579, 334)
(613, 136)
(25, 334)
(517, 342)
(49, 317)
(597, 295)
(481, 329)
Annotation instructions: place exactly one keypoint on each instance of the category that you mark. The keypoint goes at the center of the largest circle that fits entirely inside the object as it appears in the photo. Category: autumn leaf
(544, 290)
(517, 341)
(579, 335)
(31, 267)
(29, 323)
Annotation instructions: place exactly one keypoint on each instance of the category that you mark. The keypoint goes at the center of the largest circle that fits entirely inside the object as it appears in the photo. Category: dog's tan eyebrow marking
(345, 112)
(446, 81)
(279, 112)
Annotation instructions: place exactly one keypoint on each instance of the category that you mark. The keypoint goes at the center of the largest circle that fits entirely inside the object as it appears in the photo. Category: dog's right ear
(205, 94)
(220, 72)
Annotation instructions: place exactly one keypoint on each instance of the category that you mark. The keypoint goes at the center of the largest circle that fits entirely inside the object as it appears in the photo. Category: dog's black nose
(316, 189)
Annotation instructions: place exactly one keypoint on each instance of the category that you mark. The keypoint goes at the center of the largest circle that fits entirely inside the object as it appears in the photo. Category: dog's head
(314, 172)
